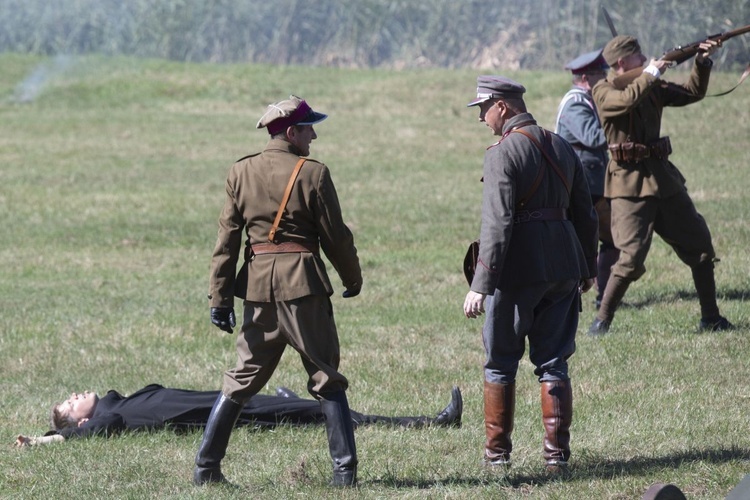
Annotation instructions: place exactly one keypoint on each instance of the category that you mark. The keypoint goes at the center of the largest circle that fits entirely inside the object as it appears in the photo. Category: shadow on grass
(585, 468)
(741, 294)
(591, 466)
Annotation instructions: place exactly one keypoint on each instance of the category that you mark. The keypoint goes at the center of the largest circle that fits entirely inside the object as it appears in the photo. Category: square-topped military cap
(293, 111)
(496, 87)
(590, 62)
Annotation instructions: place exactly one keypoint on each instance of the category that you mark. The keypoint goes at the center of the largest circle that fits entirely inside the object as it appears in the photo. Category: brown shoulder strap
(550, 160)
(521, 203)
(285, 199)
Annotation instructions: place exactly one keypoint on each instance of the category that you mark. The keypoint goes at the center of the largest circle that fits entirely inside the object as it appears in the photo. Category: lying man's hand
(22, 441)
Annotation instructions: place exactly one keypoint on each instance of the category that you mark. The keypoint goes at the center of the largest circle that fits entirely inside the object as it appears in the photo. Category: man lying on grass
(155, 407)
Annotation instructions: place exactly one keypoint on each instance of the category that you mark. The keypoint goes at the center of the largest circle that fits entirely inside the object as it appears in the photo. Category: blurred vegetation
(507, 34)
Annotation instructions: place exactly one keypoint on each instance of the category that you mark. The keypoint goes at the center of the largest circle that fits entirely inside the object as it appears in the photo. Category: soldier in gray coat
(537, 253)
(578, 123)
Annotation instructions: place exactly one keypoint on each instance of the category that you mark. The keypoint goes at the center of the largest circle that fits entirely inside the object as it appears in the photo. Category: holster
(240, 281)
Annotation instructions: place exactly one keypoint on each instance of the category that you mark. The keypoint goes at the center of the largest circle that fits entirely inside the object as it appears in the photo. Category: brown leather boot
(499, 407)
(557, 415)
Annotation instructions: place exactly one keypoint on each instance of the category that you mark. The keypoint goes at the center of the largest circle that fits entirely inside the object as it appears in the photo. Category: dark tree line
(509, 34)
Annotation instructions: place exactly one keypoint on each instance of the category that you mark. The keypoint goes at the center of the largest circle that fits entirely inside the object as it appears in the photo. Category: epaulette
(246, 157)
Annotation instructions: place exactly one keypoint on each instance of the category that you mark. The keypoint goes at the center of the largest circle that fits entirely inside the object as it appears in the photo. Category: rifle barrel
(680, 54)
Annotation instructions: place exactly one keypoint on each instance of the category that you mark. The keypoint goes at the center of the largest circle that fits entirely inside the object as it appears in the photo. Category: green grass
(110, 187)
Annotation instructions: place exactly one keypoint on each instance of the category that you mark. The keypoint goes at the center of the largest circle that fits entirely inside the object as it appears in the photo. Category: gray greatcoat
(578, 123)
(548, 251)
(531, 270)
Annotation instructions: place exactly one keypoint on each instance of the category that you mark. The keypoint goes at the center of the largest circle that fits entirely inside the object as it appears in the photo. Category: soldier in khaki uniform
(538, 250)
(288, 207)
(647, 191)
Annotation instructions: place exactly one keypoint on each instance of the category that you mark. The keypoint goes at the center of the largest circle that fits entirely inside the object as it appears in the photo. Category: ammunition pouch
(633, 152)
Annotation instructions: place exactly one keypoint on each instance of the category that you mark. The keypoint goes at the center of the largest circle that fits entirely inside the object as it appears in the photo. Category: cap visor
(476, 101)
(312, 118)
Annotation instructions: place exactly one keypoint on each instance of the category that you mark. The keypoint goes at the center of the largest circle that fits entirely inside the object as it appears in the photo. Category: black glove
(223, 317)
(349, 293)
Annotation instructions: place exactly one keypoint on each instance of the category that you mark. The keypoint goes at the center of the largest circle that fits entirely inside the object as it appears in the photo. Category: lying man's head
(74, 411)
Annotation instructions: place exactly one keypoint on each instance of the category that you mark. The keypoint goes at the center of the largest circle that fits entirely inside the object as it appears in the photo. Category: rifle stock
(679, 54)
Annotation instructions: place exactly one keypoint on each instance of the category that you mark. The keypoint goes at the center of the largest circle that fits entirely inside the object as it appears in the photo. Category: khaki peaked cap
(620, 46)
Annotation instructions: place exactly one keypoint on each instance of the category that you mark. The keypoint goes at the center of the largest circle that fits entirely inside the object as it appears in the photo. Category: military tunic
(287, 294)
(530, 271)
(650, 195)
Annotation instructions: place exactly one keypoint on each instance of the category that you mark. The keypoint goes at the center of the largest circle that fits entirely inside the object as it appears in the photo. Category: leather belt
(540, 214)
(636, 152)
(285, 247)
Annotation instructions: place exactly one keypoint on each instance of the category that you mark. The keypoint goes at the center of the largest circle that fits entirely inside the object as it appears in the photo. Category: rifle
(679, 54)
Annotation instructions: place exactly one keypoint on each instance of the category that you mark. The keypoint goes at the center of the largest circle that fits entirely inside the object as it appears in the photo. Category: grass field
(111, 181)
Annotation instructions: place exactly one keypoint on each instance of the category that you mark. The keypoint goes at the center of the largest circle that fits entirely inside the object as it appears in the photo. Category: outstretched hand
(26, 441)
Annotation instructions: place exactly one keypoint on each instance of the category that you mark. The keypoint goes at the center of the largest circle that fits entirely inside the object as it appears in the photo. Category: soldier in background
(578, 123)
(646, 190)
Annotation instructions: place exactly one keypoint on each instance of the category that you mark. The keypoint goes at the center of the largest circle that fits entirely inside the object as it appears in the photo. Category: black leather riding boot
(607, 258)
(451, 414)
(340, 430)
(705, 286)
(221, 421)
(613, 294)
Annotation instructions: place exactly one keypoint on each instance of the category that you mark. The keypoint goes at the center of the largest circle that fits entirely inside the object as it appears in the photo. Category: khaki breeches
(675, 219)
(307, 325)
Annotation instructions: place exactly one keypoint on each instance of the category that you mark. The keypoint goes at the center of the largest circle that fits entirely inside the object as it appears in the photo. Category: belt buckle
(526, 216)
(522, 216)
